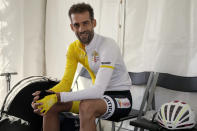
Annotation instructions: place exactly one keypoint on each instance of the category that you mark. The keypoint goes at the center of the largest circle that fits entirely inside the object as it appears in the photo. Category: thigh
(96, 106)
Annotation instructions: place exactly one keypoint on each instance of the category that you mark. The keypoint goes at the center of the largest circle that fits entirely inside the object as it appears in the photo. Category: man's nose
(81, 28)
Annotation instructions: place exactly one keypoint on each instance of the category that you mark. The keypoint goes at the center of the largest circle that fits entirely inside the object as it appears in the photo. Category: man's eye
(76, 25)
(86, 23)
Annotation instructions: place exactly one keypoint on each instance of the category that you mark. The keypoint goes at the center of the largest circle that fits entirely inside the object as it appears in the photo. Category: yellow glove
(48, 102)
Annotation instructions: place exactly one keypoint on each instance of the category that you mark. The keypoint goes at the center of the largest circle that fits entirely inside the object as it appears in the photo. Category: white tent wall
(11, 41)
(160, 35)
(21, 40)
(34, 37)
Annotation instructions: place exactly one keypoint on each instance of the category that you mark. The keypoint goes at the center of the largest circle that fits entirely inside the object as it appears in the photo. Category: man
(110, 96)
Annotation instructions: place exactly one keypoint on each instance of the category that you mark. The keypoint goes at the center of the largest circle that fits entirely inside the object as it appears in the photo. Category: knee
(86, 109)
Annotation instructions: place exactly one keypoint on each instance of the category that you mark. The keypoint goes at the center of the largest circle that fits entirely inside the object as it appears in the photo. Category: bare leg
(88, 111)
(51, 119)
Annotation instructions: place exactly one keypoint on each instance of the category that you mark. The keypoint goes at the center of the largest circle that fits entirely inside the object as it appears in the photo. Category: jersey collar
(92, 43)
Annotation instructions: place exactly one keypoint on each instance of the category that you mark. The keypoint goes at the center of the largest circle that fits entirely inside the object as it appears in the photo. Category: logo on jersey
(105, 63)
(95, 56)
(123, 102)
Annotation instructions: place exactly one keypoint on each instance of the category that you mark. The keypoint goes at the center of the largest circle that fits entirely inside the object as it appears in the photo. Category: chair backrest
(139, 78)
(172, 87)
(177, 83)
(172, 82)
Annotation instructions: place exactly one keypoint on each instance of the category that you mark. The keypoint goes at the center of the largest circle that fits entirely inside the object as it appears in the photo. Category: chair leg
(113, 126)
(99, 124)
(135, 128)
(141, 129)
(120, 126)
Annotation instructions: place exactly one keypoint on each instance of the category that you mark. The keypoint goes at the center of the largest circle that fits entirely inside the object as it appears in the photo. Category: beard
(85, 37)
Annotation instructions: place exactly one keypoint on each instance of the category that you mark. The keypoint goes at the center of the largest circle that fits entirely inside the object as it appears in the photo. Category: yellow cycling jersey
(76, 53)
(103, 60)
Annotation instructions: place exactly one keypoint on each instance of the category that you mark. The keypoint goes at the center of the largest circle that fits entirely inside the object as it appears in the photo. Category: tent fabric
(22, 31)
(34, 37)
(161, 36)
(11, 40)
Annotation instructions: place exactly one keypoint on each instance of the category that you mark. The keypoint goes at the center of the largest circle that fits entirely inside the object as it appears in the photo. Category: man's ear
(71, 26)
(94, 22)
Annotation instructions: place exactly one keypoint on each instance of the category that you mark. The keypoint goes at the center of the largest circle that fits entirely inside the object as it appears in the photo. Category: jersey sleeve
(108, 56)
(71, 65)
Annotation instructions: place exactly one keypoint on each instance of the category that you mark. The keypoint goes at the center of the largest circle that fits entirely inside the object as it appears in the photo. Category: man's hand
(38, 105)
(47, 102)
(35, 105)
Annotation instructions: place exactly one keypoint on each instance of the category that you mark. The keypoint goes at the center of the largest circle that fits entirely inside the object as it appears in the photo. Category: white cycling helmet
(176, 115)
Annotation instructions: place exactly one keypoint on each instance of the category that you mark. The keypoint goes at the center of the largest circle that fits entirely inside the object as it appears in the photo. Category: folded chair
(142, 78)
(168, 81)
